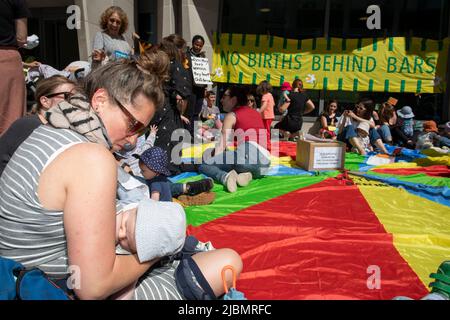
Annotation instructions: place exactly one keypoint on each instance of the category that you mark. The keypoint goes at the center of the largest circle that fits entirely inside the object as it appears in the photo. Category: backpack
(19, 283)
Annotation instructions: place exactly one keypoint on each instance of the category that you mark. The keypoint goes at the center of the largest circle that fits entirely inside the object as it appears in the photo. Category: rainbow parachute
(322, 236)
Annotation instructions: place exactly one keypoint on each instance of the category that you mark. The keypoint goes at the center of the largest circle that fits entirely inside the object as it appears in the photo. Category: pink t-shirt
(268, 113)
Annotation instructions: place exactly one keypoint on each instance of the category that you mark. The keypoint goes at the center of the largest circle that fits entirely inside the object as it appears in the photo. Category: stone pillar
(166, 18)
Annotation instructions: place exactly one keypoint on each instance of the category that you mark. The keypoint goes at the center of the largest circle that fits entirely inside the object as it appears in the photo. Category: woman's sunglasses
(135, 127)
(67, 95)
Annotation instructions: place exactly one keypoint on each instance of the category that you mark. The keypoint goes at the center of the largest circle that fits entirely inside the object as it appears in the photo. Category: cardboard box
(320, 156)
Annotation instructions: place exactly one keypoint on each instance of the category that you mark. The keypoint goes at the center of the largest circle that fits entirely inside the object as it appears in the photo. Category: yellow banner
(374, 65)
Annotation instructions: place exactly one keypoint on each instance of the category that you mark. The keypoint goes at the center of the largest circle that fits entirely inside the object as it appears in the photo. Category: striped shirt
(29, 233)
(35, 236)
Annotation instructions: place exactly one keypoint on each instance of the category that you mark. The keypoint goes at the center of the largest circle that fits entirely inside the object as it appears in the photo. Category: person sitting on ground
(210, 115)
(329, 120)
(238, 168)
(49, 92)
(350, 121)
(363, 137)
(67, 192)
(404, 131)
(153, 163)
(251, 101)
(300, 104)
(430, 138)
(387, 122)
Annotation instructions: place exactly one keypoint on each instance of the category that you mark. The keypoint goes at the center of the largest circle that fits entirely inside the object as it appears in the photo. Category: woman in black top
(299, 105)
(177, 90)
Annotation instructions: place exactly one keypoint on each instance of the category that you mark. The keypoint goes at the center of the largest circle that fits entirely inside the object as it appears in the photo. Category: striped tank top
(29, 233)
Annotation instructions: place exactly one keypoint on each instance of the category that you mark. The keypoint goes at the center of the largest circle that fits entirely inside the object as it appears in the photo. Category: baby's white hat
(160, 229)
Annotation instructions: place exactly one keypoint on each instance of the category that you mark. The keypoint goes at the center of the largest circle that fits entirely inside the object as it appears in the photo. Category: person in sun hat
(430, 137)
(153, 164)
(405, 126)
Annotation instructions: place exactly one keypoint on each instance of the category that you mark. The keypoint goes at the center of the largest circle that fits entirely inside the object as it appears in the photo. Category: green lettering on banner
(326, 62)
(251, 59)
(335, 63)
(405, 66)
(359, 63)
(268, 77)
(298, 60)
(340, 84)
(430, 64)
(386, 86)
(271, 42)
(359, 45)
(325, 83)
(418, 63)
(235, 58)
(267, 61)
(368, 64)
(289, 61)
(241, 77)
(299, 45)
(254, 79)
(348, 64)
(316, 63)
(228, 77)
(281, 80)
(224, 57)
(277, 56)
(392, 65)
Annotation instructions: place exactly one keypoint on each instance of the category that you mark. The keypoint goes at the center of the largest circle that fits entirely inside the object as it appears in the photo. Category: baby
(153, 164)
(363, 136)
(151, 230)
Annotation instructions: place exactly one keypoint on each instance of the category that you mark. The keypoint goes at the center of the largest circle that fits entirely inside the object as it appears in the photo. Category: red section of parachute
(433, 171)
(321, 242)
(284, 149)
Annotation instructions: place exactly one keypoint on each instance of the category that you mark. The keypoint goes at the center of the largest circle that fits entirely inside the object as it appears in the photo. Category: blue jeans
(175, 188)
(246, 158)
(385, 132)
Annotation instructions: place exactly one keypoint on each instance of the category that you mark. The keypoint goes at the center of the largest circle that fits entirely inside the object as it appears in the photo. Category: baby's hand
(153, 129)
